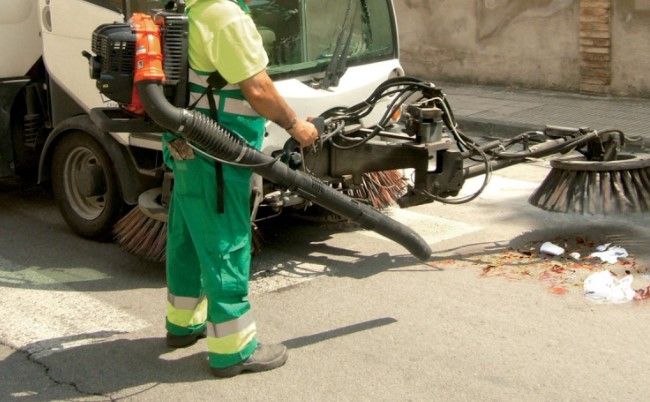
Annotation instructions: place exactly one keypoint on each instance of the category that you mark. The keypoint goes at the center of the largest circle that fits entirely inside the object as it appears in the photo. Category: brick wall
(589, 46)
(595, 46)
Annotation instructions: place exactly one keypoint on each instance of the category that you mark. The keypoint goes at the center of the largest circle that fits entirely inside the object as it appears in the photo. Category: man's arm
(261, 93)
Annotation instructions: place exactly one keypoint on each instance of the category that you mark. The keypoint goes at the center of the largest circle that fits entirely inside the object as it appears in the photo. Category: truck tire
(85, 186)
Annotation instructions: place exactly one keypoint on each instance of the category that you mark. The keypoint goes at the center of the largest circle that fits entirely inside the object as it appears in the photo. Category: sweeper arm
(428, 141)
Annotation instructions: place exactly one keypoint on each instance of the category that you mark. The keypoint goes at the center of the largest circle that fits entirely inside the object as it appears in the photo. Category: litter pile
(604, 286)
(604, 272)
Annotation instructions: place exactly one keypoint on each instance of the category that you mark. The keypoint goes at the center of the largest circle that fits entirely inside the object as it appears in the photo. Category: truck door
(67, 27)
(80, 160)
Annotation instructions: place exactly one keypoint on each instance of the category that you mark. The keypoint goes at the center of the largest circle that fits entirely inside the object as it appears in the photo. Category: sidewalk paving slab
(504, 112)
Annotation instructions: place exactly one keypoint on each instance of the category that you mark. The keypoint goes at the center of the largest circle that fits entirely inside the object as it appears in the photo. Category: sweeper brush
(582, 186)
(143, 231)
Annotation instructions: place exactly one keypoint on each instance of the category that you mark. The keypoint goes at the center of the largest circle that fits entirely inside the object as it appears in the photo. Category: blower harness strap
(216, 82)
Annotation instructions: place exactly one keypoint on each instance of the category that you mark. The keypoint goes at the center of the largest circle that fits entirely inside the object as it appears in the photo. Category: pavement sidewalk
(504, 112)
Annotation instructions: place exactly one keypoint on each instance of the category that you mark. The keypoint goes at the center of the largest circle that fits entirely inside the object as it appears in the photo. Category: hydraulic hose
(208, 135)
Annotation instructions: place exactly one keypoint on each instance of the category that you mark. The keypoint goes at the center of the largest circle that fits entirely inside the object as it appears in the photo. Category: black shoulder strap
(219, 183)
(216, 82)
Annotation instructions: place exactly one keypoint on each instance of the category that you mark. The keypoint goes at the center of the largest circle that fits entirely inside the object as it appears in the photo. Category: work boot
(183, 341)
(265, 357)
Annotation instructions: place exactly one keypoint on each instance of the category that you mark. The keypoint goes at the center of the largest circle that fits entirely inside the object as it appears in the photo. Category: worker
(209, 228)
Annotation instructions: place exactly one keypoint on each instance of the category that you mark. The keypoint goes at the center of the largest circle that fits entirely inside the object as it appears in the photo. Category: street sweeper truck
(95, 173)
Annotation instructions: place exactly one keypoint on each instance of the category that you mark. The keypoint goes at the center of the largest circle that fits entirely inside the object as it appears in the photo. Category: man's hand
(261, 93)
(304, 132)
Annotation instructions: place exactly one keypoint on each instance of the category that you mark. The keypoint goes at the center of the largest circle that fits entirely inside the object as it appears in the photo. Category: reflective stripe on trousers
(186, 311)
(231, 337)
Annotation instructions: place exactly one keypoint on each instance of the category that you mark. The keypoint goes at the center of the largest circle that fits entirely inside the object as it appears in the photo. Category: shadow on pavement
(302, 341)
(633, 238)
(40, 246)
(39, 251)
(292, 243)
(103, 368)
(125, 366)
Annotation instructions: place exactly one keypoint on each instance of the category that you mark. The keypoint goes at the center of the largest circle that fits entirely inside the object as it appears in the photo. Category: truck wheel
(85, 186)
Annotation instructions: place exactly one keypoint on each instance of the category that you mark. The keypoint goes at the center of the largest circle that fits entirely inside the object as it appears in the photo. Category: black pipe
(205, 133)
(507, 159)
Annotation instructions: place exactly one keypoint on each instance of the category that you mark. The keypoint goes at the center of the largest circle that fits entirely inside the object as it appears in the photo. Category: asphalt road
(485, 319)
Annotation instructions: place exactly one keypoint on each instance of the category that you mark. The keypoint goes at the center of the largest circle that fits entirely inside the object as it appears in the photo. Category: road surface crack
(47, 371)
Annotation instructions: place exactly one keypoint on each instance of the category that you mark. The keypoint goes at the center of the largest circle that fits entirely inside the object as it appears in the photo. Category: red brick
(594, 26)
(595, 49)
(595, 3)
(600, 64)
(595, 57)
(593, 19)
(595, 34)
(594, 89)
(595, 72)
(595, 42)
(594, 12)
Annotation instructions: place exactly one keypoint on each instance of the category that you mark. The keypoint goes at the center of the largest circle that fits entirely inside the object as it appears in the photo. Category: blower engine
(118, 65)
(142, 65)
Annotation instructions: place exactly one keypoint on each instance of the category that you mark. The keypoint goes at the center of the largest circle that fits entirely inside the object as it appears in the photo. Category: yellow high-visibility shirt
(223, 37)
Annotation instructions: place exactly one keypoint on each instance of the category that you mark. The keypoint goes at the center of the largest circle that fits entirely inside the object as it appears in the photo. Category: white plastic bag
(603, 287)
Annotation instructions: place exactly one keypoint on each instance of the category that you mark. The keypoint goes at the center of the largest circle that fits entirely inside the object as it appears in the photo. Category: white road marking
(500, 187)
(433, 229)
(48, 276)
(40, 314)
(283, 275)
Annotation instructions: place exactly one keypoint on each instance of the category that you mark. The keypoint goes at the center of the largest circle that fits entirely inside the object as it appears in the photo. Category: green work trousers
(208, 250)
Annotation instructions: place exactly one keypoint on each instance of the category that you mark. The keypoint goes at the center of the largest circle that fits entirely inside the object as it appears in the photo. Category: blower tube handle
(214, 139)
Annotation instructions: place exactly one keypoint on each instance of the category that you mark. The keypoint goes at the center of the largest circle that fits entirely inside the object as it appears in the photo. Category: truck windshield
(300, 35)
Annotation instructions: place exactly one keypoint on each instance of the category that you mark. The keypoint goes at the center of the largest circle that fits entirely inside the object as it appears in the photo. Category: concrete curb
(495, 128)
(509, 129)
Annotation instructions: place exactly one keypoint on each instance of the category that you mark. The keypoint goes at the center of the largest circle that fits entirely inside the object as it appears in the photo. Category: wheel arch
(130, 184)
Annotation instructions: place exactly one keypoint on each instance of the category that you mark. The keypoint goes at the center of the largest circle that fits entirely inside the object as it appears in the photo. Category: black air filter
(114, 45)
